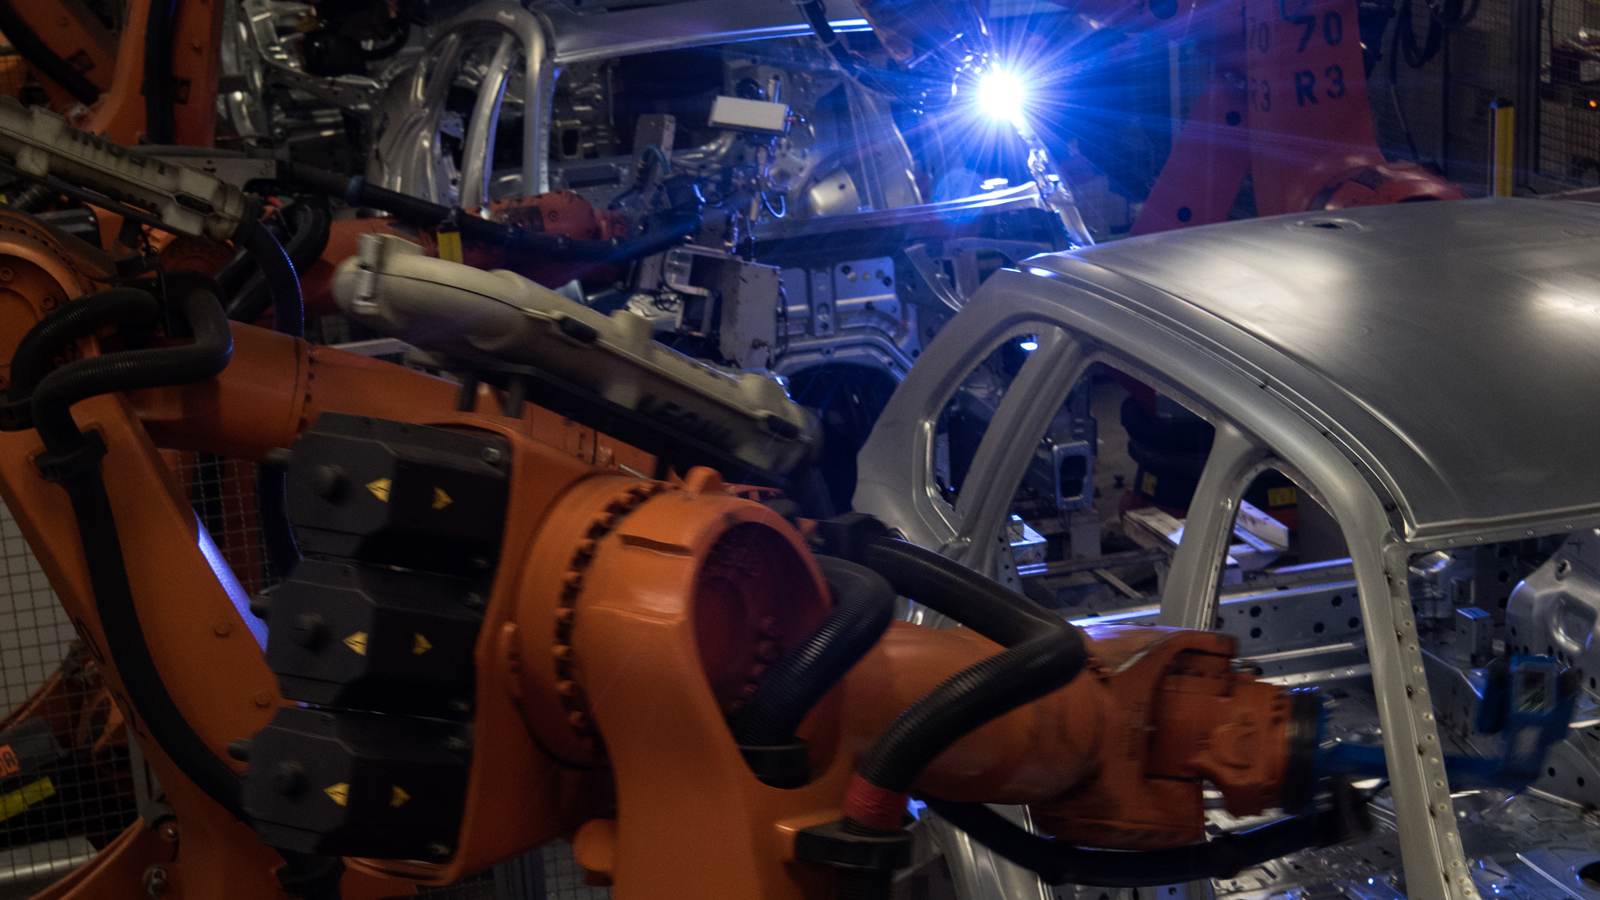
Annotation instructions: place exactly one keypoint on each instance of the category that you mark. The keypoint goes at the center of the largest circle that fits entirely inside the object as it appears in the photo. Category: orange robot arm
(501, 634)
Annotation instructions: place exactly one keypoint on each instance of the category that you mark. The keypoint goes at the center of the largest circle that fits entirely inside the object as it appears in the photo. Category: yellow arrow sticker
(397, 795)
(420, 645)
(380, 488)
(357, 642)
(441, 499)
(338, 793)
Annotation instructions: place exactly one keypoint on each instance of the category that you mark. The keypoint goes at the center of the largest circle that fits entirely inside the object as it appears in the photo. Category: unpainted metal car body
(1424, 372)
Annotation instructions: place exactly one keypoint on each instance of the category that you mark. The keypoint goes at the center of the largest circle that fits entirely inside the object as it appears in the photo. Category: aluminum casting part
(1557, 608)
(478, 146)
(179, 199)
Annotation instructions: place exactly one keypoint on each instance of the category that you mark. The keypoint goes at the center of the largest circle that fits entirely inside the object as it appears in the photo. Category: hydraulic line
(33, 198)
(863, 605)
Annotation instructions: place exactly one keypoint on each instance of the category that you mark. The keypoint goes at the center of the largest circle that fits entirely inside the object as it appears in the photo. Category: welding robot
(499, 624)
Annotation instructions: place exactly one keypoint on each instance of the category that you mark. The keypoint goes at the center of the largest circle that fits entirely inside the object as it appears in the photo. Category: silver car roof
(1452, 347)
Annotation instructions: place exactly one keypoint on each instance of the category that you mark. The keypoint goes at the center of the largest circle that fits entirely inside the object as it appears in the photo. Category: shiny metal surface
(1557, 608)
(407, 157)
(1449, 346)
(478, 147)
(948, 212)
(1417, 369)
(623, 32)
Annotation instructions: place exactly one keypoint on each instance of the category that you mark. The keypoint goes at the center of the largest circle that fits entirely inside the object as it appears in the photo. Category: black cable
(288, 309)
(1394, 80)
(33, 198)
(132, 370)
(1044, 654)
(948, 587)
(973, 697)
(74, 458)
(288, 317)
(159, 97)
(514, 240)
(38, 54)
(1221, 857)
(863, 605)
(309, 220)
(72, 322)
(855, 68)
(235, 271)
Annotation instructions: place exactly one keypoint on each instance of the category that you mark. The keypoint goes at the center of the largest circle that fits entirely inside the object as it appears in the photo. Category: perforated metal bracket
(1430, 847)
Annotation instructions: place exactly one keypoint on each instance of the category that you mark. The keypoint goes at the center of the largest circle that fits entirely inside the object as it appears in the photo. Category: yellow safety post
(1502, 121)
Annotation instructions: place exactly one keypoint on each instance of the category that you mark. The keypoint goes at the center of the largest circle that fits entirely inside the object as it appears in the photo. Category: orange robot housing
(552, 647)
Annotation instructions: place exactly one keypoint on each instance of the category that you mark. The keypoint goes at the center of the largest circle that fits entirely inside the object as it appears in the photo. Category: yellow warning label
(420, 645)
(1283, 496)
(357, 642)
(441, 499)
(450, 245)
(380, 488)
(18, 801)
(397, 795)
(338, 793)
(1148, 484)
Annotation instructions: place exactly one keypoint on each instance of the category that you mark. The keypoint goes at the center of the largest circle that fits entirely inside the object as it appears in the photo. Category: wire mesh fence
(66, 784)
(1569, 134)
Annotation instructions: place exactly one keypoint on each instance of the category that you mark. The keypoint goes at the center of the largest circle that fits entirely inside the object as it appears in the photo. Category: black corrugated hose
(68, 323)
(863, 604)
(34, 197)
(72, 459)
(1223, 856)
(1044, 654)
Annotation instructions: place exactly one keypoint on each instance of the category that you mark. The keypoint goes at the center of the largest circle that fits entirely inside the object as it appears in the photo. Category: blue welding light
(1001, 95)
(1029, 346)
